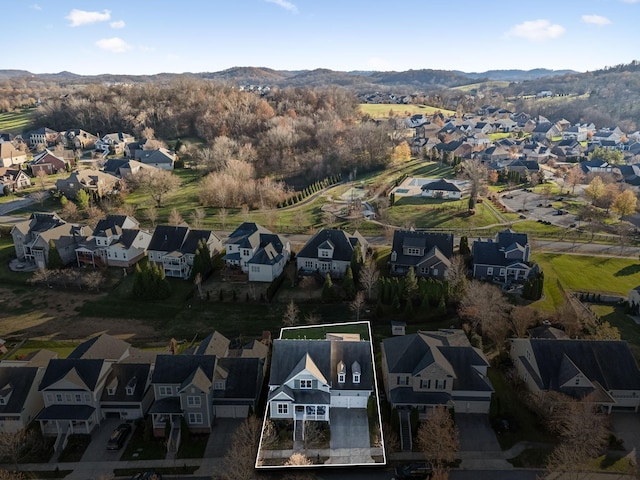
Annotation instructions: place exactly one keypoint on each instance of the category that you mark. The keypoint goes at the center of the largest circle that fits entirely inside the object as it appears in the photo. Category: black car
(119, 435)
(150, 475)
(420, 470)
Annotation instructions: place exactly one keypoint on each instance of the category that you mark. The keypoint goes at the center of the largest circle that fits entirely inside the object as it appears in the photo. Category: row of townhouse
(105, 377)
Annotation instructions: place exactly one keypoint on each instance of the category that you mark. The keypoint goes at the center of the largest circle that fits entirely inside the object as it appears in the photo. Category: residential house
(257, 251)
(238, 376)
(545, 131)
(41, 137)
(113, 143)
(429, 254)
(78, 139)
(174, 248)
(567, 149)
(428, 369)
(160, 158)
(602, 372)
(311, 378)
(13, 179)
(127, 394)
(612, 134)
(20, 400)
(182, 388)
(10, 155)
(124, 168)
(72, 389)
(630, 174)
(47, 162)
(576, 132)
(330, 251)
(442, 188)
(94, 182)
(504, 260)
(31, 238)
(117, 241)
(596, 165)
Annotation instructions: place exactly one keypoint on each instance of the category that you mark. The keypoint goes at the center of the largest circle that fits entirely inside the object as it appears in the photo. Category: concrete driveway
(349, 428)
(220, 438)
(476, 434)
(97, 449)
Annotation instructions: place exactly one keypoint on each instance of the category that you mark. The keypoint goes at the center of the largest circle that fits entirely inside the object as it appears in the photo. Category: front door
(299, 411)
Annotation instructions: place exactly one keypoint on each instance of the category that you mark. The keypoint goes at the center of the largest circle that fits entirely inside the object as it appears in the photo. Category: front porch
(67, 419)
(175, 265)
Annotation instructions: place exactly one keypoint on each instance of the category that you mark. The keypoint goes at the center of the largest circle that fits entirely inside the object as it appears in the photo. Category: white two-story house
(257, 251)
(310, 377)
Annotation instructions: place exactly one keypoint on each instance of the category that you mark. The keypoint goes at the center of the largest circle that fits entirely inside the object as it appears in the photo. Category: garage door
(462, 406)
(231, 411)
(349, 401)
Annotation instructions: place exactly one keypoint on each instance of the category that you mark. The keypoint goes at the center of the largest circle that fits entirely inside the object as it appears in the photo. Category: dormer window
(111, 390)
(130, 390)
(356, 378)
(306, 384)
(342, 372)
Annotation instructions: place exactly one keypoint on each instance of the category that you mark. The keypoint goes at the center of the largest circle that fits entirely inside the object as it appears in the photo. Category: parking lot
(536, 207)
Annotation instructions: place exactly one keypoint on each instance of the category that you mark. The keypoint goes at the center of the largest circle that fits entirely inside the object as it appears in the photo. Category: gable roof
(441, 184)
(608, 362)
(101, 347)
(167, 238)
(443, 242)
(244, 378)
(135, 375)
(18, 382)
(161, 155)
(175, 369)
(107, 225)
(343, 243)
(214, 344)
(85, 370)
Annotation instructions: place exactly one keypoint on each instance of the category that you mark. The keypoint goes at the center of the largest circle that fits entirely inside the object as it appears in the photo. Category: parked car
(150, 475)
(119, 435)
(422, 470)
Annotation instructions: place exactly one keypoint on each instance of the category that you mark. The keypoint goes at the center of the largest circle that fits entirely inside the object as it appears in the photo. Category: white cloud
(284, 4)
(117, 24)
(82, 17)
(115, 45)
(35, 6)
(596, 20)
(536, 30)
(631, 1)
(146, 48)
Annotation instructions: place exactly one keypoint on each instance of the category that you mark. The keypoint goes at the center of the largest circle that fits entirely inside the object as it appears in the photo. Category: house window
(58, 397)
(424, 270)
(68, 398)
(341, 378)
(218, 385)
(255, 268)
(577, 380)
(246, 252)
(489, 270)
(305, 384)
(49, 398)
(111, 391)
(502, 273)
(356, 378)
(165, 390)
(311, 410)
(78, 398)
(413, 251)
(308, 264)
(195, 418)
(87, 397)
(403, 380)
(283, 409)
(435, 271)
(425, 384)
(130, 390)
(441, 384)
(193, 401)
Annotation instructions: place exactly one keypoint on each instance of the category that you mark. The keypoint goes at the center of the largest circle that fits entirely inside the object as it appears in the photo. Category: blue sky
(151, 36)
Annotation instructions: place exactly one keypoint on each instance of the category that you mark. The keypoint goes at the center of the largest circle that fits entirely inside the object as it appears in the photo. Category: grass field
(380, 110)
(584, 274)
(475, 86)
(430, 213)
(17, 121)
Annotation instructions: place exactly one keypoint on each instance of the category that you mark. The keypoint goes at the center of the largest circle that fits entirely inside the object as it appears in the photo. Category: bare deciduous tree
(7, 475)
(197, 217)
(290, 316)
(175, 218)
(70, 212)
(93, 280)
(43, 275)
(11, 445)
(157, 183)
(457, 278)
(369, 276)
(523, 318)
(477, 175)
(240, 457)
(357, 304)
(39, 196)
(485, 306)
(222, 216)
(437, 436)
(152, 215)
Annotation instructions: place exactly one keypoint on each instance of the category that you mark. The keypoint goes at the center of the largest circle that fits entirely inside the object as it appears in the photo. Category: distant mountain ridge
(422, 78)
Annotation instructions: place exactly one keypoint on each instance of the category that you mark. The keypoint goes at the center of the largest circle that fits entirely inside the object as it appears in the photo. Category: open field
(380, 110)
(17, 121)
(584, 274)
(475, 86)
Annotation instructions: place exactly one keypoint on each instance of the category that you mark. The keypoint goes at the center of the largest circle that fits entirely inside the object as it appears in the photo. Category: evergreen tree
(464, 246)
(55, 260)
(82, 197)
(202, 260)
(356, 263)
(425, 305)
(348, 284)
(408, 310)
(410, 285)
(327, 289)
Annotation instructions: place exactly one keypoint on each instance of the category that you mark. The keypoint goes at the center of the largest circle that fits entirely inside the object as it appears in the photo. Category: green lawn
(62, 348)
(139, 449)
(17, 121)
(474, 86)
(433, 213)
(379, 110)
(585, 274)
(321, 332)
(629, 330)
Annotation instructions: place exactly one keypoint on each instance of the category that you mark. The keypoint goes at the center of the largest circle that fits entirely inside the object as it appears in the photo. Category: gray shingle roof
(405, 238)
(244, 379)
(174, 369)
(19, 382)
(88, 370)
(343, 243)
(101, 347)
(127, 374)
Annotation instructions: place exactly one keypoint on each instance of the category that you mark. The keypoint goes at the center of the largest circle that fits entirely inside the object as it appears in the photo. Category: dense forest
(292, 131)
